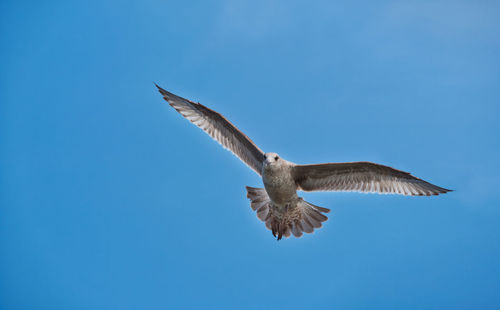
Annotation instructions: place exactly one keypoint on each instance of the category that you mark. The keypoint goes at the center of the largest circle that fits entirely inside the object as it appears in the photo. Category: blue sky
(111, 200)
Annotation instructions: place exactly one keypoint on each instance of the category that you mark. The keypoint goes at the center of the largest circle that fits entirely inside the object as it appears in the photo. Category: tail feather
(303, 217)
(306, 225)
(263, 212)
(258, 197)
(316, 208)
(297, 229)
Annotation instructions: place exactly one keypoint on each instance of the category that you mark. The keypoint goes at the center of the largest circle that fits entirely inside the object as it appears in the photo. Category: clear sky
(111, 200)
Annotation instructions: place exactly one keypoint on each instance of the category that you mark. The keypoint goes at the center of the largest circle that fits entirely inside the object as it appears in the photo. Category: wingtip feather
(166, 95)
(161, 90)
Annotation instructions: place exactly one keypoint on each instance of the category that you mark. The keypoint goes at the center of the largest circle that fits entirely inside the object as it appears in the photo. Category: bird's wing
(361, 177)
(219, 128)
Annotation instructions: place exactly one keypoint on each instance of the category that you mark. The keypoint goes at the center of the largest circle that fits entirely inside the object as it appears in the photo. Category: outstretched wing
(219, 128)
(361, 177)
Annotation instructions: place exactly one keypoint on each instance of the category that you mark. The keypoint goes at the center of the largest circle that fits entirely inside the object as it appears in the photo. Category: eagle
(277, 204)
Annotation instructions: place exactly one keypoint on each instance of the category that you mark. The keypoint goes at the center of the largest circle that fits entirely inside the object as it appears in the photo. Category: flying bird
(277, 204)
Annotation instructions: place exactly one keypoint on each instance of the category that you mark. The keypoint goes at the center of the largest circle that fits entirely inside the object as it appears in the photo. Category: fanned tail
(304, 217)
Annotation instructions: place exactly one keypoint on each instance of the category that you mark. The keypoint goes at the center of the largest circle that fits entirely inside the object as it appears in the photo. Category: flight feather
(361, 177)
(219, 128)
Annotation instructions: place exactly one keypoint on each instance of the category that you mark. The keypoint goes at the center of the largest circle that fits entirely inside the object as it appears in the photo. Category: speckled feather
(278, 204)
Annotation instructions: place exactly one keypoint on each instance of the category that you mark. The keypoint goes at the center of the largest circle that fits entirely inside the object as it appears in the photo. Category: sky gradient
(109, 199)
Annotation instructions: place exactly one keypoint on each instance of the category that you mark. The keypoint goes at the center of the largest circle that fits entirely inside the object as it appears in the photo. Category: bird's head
(271, 159)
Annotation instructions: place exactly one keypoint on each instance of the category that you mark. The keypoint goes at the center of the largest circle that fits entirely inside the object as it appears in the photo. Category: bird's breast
(279, 185)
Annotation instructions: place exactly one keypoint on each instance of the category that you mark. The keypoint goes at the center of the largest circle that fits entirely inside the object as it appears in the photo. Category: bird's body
(278, 180)
(286, 212)
(277, 204)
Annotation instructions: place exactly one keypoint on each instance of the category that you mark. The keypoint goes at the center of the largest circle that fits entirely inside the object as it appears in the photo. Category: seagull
(277, 204)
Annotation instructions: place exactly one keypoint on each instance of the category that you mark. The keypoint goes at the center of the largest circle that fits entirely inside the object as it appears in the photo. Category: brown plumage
(362, 177)
(304, 217)
(277, 204)
(219, 128)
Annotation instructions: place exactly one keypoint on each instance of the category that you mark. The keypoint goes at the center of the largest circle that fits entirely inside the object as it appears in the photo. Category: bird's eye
(276, 158)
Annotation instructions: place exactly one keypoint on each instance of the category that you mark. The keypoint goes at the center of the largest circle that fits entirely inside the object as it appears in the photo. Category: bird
(277, 204)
